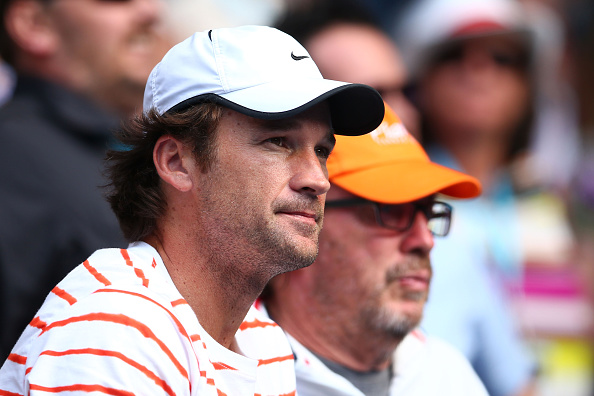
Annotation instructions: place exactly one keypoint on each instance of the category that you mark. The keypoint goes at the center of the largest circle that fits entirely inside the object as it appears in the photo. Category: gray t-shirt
(371, 383)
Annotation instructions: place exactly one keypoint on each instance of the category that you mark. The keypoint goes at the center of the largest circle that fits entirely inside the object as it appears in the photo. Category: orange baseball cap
(388, 165)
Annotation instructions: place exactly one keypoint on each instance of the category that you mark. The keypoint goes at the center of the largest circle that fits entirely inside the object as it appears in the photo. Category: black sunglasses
(400, 217)
(509, 58)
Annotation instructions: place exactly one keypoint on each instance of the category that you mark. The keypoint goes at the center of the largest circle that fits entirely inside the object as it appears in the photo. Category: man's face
(361, 54)
(261, 203)
(379, 278)
(107, 48)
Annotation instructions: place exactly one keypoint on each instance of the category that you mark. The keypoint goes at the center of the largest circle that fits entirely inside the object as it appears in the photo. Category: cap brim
(355, 109)
(407, 181)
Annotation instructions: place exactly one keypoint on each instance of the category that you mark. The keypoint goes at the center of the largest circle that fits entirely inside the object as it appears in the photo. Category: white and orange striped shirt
(117, 325)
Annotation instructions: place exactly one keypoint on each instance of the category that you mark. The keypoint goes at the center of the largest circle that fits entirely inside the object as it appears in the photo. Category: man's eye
(323, 152)
(277, 141)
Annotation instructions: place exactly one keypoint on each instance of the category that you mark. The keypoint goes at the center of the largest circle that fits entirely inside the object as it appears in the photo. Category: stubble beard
(288, 252)
(392, 324)
(260, 247)
(389, 321)
(282, 254)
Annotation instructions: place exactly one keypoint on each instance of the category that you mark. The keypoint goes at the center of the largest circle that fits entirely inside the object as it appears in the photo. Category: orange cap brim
(412, 180)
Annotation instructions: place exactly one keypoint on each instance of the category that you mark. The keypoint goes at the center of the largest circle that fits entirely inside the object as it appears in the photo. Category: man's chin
(397, 323)
(298, 260)
(294, 252)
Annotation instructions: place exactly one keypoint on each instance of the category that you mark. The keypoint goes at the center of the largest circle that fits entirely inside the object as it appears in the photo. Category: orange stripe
(96, 273)
(181, 301)
(36, 322)
(140, 274)
(209, 381)
(102, 352)
(284, 394)
(195, 337)
(180, 327)
(137, 271)
(19, 359)
(28, 370)
(256, 323)
(126, 257)
(126, 321)
(275, 360)
(83, 388)
(258, 303)
(419, 335)
(222, 366)
(7, 393)
(64, 295)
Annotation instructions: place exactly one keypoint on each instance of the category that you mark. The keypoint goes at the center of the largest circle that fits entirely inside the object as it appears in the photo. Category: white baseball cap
(258, 71)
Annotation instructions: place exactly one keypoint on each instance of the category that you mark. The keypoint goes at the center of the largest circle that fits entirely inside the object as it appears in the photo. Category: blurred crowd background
(501, 89)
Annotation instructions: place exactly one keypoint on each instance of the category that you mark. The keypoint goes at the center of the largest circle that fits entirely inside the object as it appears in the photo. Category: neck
(217, 295)
(327, 333)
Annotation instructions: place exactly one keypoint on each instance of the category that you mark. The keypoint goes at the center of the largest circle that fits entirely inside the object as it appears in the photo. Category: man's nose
(149, 11)
(310, 175)
(419, 236)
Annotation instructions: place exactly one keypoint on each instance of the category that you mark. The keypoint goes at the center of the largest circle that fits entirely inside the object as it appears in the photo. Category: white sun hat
(258, 71)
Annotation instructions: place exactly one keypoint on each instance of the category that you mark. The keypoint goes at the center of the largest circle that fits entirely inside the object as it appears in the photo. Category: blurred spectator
(6, 82)
(80, 65)
(474, 64)
(347, 45)
(556, 106)
(386, 10)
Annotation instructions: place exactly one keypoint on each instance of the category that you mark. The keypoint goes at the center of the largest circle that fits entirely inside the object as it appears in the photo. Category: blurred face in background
(107, 48)
(364, 55)
(476, 89)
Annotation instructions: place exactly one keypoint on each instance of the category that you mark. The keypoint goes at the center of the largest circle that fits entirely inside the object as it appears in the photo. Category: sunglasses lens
(508, 58)
(449, 55)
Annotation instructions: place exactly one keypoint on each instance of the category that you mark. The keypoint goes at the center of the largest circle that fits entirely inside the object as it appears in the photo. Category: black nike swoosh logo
(298, 57)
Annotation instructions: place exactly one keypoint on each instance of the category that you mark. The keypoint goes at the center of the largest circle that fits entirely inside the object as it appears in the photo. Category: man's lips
(302, 215)
(417, 280)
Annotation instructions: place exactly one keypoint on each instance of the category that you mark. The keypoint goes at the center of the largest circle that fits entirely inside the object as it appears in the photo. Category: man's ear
(31, 28)
(172, 160)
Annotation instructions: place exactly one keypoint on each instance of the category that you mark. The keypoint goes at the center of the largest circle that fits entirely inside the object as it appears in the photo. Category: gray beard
(387, 322)
(391, 323)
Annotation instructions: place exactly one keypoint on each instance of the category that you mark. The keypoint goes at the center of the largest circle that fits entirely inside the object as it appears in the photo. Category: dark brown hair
(135, 193)
(304, 20)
